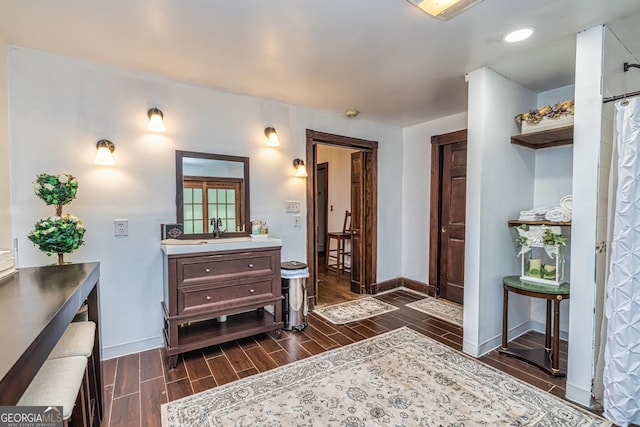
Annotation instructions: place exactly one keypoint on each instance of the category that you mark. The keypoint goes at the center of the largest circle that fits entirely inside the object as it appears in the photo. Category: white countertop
(177, 247)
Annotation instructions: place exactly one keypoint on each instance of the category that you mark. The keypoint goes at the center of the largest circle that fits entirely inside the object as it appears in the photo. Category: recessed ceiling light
(518, 35)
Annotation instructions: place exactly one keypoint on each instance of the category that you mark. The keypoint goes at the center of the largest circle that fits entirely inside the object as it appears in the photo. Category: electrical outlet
(296, 220)
(120, 227)
(292, 206)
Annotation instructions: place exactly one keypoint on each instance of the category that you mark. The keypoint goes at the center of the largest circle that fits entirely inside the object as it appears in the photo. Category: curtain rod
(615, 98)
(625, 67)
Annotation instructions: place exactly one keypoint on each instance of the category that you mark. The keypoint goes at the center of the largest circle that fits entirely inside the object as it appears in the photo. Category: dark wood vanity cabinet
(214, 297)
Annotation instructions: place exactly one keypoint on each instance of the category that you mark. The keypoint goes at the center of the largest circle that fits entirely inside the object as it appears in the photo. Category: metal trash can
(294, 276)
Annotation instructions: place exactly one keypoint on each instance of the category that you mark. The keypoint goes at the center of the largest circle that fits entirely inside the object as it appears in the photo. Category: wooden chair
(336, 257)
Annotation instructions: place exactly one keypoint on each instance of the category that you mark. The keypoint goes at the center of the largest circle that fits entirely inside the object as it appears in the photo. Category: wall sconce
(272, 136)
(156, 117)
(105, 148)
(301, 169)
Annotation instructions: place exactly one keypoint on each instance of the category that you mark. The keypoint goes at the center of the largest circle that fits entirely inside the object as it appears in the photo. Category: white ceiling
(386, 58)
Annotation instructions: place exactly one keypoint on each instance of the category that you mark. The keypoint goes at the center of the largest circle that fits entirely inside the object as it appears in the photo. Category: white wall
(500, 181)
(339, 191)
(550, 97)
(59, 107)
(416, 192)
(5, 194)
(553, 180)
(586, 147)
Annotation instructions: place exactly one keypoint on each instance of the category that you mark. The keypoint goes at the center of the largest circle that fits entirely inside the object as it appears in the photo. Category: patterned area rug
(400, 378)
(352, 311)
(445, 310)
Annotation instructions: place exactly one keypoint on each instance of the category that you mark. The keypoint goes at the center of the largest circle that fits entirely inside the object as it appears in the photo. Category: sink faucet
(217, 223)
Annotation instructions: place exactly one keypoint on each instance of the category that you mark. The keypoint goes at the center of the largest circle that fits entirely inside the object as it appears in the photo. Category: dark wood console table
(36, 306)
(548, 358)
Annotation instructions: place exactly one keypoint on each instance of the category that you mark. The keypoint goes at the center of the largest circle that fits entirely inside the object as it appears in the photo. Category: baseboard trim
(420, 287)
(387, 285)
(540, 327)
(578, 395)
(495, 342)
(132, 347)
(401, 282)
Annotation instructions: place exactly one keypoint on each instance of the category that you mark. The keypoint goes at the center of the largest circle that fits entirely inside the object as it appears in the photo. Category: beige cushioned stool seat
(77, 340)
(57, 383)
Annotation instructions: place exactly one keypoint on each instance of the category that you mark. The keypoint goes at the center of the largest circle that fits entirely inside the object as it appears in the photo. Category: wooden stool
(78, 340)
(335, 257)
(61, 382)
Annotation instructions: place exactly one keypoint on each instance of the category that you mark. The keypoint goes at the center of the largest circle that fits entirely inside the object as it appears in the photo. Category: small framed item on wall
(171, 231)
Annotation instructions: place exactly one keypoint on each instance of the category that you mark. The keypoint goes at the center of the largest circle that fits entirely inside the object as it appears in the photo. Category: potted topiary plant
(60, 234)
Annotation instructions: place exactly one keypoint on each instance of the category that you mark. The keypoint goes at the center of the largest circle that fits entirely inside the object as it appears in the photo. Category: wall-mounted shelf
(516, 223)
(545, 138)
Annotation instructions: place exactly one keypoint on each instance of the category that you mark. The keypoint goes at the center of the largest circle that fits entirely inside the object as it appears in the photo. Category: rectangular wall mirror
(210, 189)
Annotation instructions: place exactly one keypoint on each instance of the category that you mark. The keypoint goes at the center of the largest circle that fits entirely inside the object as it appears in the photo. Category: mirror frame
(179, 192)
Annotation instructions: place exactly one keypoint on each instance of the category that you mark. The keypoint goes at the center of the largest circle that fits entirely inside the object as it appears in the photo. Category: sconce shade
(272, 136)
(103, 155)
(301, 169)
(156, 122)
(443, 9)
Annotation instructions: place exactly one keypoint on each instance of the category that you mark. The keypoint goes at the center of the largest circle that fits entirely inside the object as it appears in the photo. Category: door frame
(435, 220)
(371, 202)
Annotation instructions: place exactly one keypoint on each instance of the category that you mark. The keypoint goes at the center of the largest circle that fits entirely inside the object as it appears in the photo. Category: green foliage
(58, 189)
(58, 234)
(552, 239)
(536, 115)
(548, 274)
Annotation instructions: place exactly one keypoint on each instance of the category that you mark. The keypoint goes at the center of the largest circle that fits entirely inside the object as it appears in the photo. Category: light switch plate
(292, 206)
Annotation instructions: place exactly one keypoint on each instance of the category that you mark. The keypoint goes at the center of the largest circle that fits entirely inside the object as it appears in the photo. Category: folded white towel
(567, 203)
(527, 218)
(535, 214)
(558, 214)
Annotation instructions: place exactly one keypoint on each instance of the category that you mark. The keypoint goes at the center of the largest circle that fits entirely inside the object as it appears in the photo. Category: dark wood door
(452, 221)
(322, 197)
(357, 222)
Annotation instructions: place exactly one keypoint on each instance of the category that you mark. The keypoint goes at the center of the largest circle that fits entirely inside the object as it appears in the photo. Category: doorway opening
(341, 217)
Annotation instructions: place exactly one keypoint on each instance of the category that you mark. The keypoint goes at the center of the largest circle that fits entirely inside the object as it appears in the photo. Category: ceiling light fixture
(272, 136)
(156, 122)
(443, 9)
(351, 113)
(519, 35)
(104, 154)
(301, 169)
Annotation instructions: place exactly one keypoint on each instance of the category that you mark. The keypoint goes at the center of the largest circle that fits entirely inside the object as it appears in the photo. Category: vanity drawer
(193, 299)
(196, 270)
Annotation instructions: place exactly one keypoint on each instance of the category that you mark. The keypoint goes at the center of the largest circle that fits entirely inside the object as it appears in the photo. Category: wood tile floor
(136, 385)
(333, 288)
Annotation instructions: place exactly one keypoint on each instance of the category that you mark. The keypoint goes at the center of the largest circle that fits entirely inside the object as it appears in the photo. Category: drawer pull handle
(207, 270)
(250, 265)
(208, 298)
(251, 290)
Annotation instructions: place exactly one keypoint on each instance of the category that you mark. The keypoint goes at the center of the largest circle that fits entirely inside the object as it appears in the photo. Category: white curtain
(622, 299)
